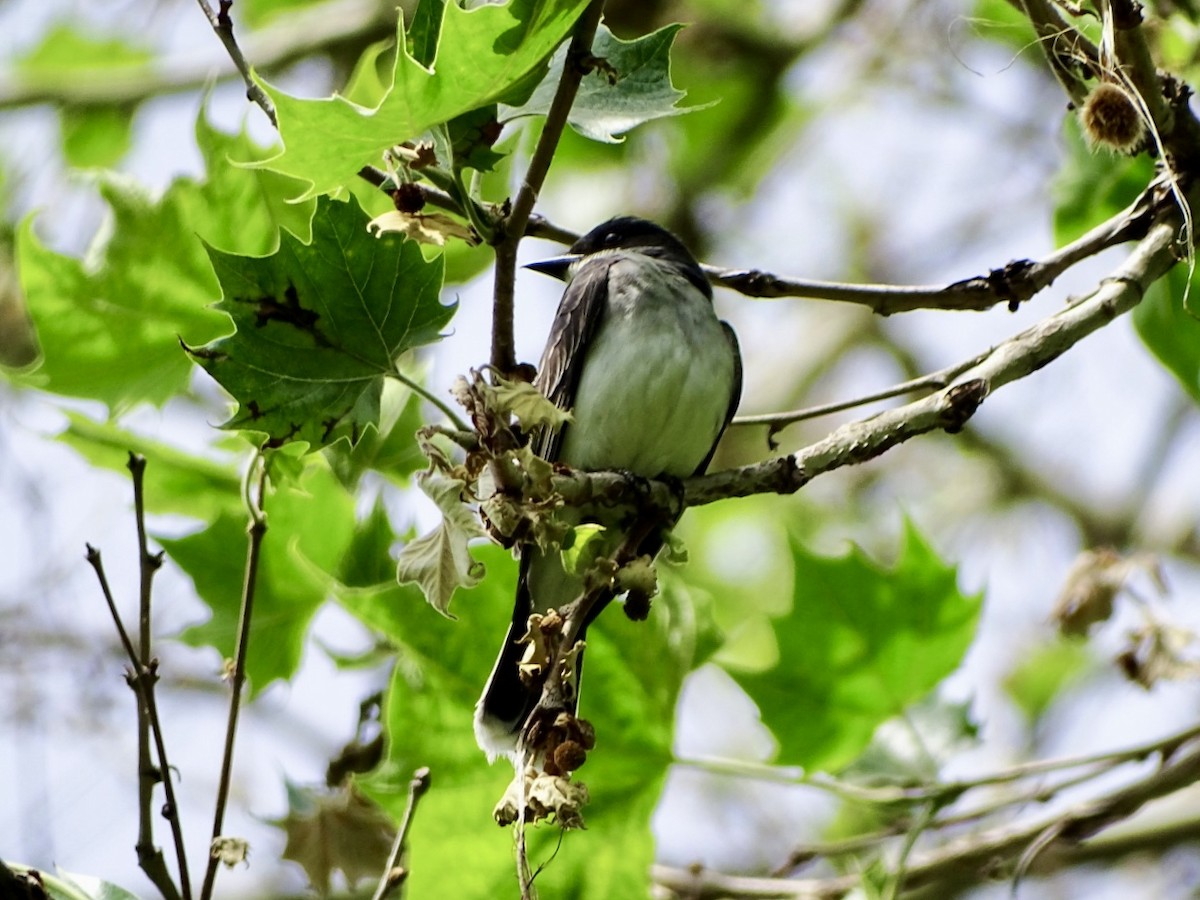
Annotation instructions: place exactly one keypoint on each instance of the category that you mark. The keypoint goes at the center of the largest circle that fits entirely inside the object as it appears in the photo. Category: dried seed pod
(1111, 117)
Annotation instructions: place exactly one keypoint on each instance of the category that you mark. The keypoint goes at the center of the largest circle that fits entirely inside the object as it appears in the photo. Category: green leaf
(861, 643)
(94, 135)
(309, 526)
(1094, 185)
(634, 673)
(320, 325)
(390, 448)
(631, 86)
(110, 328)
(1043, 673)
(65, 885)
(482, 53)
(426, 27)
(257, 13)
(1171, 331)
(64, 53)
(175, 481)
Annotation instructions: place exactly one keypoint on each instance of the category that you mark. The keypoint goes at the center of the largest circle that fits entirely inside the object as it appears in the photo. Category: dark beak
(555, 266)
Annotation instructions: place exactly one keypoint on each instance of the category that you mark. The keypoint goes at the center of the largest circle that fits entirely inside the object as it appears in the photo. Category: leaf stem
(418, 388)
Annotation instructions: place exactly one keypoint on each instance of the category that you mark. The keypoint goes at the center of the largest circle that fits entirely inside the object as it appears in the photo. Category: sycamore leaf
(110, 326)
(339, 831)
(862, 643)
(91, 135)
(320, 325)
(439, 562)
(175, 481)
(310, 526)
(630, 85)
(482, 55)
(1170, 329)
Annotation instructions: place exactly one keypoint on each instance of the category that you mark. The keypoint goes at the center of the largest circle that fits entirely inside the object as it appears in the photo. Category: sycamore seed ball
(1111, 118)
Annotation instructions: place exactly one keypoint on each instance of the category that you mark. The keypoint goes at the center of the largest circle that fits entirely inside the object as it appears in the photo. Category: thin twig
(148, 564)
(393, 873)
(511, 230)
(257, 530)
(985, 852)
(141, 679)
(781, 420)
(222, 24)
(1012, 284)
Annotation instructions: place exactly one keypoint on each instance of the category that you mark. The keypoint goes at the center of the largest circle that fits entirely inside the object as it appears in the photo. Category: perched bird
(651, 377)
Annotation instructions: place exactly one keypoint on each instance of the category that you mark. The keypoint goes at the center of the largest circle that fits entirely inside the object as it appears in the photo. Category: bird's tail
(507, 701)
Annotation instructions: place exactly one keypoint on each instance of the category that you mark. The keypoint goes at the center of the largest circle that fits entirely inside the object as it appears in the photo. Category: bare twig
(511, 230)
(222, 24)
(1012, 284)
(990, 851)
(141, 679)
(148, 722)
(1067, 51)
(393, 873)
(257, 531)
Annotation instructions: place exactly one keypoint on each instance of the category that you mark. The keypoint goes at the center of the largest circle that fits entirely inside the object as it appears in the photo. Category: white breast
(656, 382)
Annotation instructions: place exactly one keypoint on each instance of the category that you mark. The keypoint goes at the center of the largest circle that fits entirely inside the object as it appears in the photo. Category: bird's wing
(735, 393)
(579, 313)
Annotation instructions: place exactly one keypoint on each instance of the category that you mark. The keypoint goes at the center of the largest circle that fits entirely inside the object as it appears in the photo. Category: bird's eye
(610, 238)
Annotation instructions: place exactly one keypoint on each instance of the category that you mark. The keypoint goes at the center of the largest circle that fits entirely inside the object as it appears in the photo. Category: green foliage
(390, 447)
(483, 56)
(176, 481)
(310, 525)
(1094, 185)
(94, 135)
(110, 326)
(320, 325)
(1044, 672)
(630, 85)
(861, 643)
(257, 13)
(1166, 323)
(67, 885)
(634, 673)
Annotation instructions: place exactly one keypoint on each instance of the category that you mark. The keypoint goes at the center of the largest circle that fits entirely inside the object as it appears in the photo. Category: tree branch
(947, 409)
(150, 857)
(222, 24)
(977, 854)
(512, 229)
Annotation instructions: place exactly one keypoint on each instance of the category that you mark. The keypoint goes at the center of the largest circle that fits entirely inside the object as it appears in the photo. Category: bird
(651, 378)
